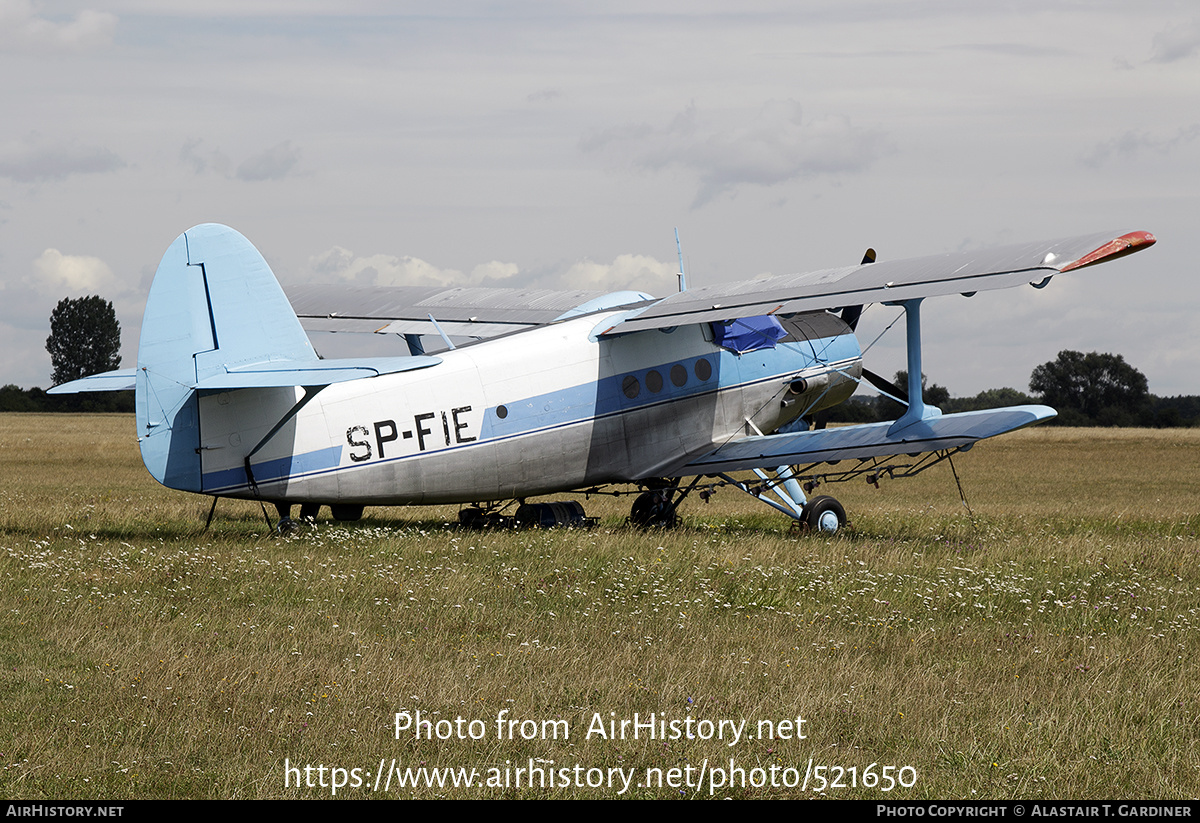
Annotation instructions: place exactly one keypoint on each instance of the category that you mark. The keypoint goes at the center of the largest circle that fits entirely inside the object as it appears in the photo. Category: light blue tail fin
(214, 306)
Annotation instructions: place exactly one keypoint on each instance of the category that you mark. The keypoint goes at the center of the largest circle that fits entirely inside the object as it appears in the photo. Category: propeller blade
(885, 386)
(850, 314)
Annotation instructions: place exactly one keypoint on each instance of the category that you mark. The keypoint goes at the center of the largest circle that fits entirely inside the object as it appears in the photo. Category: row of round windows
(632, 387)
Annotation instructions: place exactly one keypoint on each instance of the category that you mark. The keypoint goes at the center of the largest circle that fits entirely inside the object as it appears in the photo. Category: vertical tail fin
(214, 303)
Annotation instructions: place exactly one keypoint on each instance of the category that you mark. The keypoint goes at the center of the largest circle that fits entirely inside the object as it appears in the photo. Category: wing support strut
(284, 509)
(438, 326)
(917, 410)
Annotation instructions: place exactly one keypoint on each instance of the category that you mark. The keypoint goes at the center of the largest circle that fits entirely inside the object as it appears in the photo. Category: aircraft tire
(652, 511)
(824, 514)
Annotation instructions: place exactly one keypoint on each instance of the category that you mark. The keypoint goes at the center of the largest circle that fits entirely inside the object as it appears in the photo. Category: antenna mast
(680, 274)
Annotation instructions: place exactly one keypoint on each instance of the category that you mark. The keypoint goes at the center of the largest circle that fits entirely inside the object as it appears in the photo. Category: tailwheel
(824, 514)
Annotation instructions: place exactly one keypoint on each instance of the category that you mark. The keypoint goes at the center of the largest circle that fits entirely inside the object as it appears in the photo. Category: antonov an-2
(546, 391)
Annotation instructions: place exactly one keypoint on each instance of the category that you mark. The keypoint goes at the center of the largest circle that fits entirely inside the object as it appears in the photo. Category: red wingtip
(1121, 246)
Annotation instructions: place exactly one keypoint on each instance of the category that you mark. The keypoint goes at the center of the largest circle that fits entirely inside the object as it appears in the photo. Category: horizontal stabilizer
(312, 372)
(865, 441)
(264, 375)
(119, 380)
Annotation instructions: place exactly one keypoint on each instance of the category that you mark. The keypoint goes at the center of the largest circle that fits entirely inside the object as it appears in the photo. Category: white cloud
(20, 26)
(76, 274)
(627, 271)
(341, 265)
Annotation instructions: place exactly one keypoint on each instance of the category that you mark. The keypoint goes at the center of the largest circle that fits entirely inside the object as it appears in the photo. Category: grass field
(1042, 644)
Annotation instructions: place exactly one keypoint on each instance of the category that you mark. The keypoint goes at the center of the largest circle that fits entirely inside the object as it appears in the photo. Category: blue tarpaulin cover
(748, 334)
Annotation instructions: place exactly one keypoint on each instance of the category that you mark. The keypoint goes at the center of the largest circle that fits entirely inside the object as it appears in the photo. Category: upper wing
(459, 311)
(488, 312)
(886, 282)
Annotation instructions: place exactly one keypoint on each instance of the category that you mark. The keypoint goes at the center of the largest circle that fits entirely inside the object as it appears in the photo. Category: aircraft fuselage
(549, 409)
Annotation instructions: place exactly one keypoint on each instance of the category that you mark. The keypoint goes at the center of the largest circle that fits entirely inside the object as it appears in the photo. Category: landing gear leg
(309, 512)
(820, 514)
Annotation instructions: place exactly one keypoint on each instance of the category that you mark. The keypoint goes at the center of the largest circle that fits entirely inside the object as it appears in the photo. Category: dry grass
(1044, 646)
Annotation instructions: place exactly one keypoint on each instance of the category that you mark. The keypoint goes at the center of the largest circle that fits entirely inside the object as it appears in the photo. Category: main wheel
(346, 512)
(652, 511)
(824, 514)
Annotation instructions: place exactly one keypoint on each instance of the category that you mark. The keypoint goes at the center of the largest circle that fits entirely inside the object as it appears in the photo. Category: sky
(559, 144)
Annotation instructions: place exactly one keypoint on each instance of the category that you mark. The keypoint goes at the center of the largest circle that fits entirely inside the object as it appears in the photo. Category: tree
(933, 395)
(988, 399)
(1092, 389)
(14, 398)
(85, 338)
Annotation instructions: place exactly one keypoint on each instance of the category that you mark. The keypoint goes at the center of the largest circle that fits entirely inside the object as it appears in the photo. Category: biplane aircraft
(544, 392)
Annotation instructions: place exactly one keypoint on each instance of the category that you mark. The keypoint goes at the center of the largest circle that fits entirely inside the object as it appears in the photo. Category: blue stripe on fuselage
(271, 471)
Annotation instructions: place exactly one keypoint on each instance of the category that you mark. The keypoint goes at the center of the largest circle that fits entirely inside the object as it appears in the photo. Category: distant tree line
(1090, 389)
(16, 399)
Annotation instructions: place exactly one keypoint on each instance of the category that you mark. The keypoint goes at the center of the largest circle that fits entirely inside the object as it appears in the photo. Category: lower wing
(865, 441)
